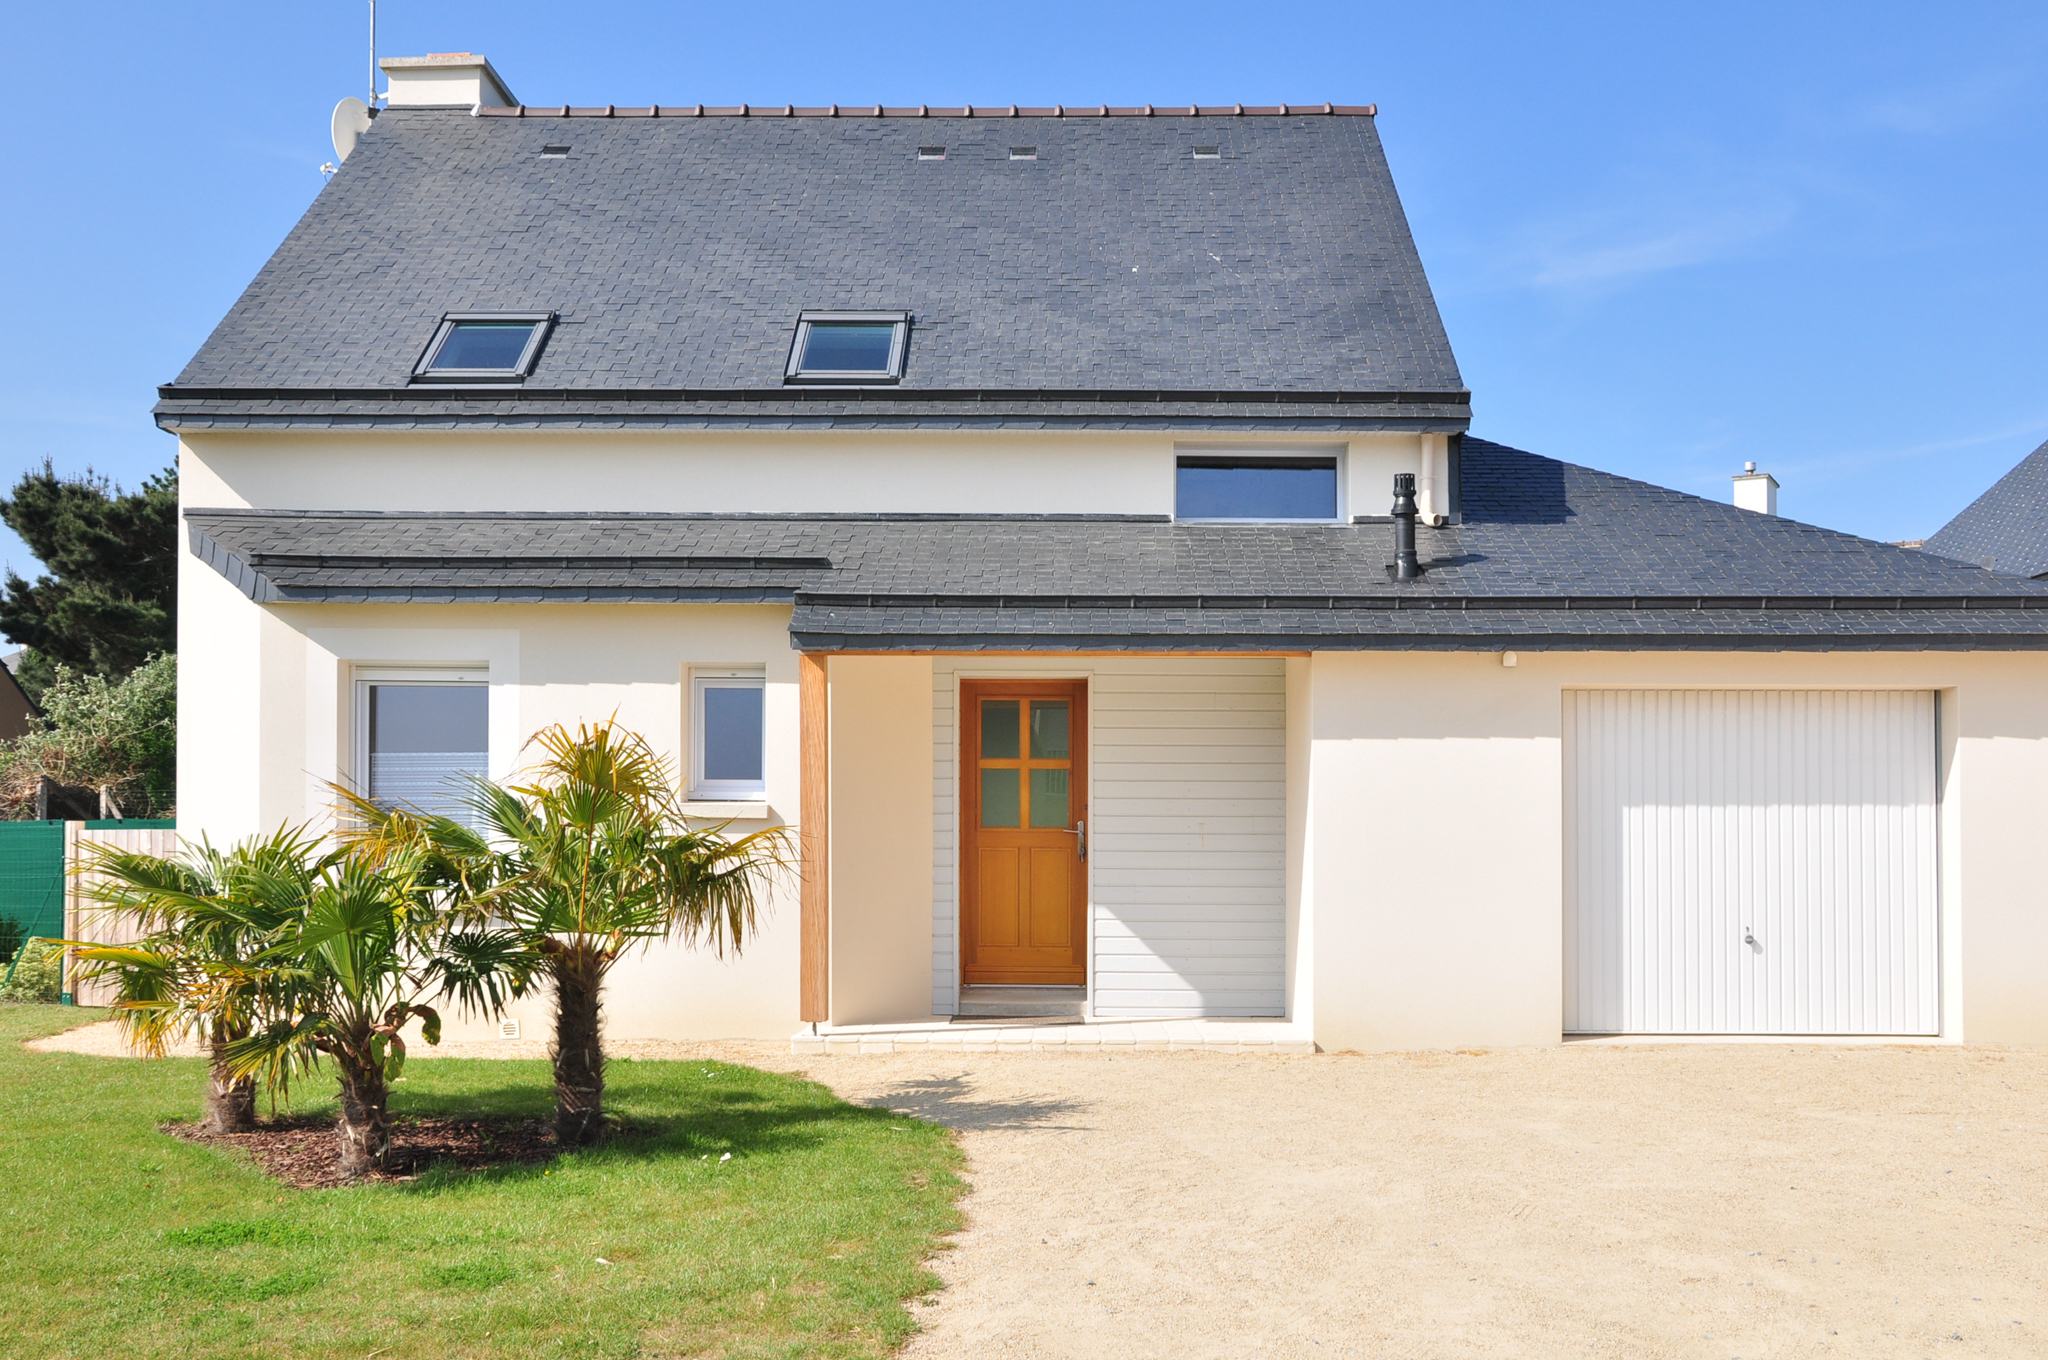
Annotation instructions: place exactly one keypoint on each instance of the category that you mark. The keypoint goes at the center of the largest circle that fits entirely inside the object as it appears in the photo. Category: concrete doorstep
(942, 1033)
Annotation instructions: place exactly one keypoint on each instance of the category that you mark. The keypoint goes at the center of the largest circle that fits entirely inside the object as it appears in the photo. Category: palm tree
(586, 861)
(365, 948)
(205, 915)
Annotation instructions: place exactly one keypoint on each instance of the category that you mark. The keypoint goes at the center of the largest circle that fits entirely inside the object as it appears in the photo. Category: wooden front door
(1024, 900)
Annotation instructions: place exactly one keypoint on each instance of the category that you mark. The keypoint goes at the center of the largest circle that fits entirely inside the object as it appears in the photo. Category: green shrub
(121, 735)
(38, 974)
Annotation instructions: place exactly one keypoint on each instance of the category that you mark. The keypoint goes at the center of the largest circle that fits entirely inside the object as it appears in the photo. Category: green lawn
(118, 1240)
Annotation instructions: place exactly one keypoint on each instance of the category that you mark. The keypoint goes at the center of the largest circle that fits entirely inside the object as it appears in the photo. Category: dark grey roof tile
(678, 252)
(2006, 528)
(1545, 550)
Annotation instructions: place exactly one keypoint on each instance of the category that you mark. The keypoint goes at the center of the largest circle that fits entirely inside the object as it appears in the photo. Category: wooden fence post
(65, 994)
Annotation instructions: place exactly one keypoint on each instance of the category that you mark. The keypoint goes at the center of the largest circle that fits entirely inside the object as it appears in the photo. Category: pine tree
(111, 600)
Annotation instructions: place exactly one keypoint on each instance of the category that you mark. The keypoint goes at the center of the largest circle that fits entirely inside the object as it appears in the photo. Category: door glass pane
(732, 733)
(1049, 732)
(1049, 798)
(999, 797)
(999, 730)
(426, 744)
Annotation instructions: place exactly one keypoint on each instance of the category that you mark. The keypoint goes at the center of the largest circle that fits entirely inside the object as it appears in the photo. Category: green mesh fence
(31, 883)
(32, 876)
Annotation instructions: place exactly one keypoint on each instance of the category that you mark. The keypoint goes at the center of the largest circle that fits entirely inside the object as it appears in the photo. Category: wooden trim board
(813, 836)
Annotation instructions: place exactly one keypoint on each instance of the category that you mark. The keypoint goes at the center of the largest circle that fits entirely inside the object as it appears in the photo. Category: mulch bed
(301, 1152)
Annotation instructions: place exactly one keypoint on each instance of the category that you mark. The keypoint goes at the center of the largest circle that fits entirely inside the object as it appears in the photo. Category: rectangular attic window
(1208, 153)
(848, 347)
(484, 347)
(1230, 487)
(1023, 153)
(553, 152)
(931, 153)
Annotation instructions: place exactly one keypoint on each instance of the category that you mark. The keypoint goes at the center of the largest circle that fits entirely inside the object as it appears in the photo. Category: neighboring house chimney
(1756, 491)
(443, 78)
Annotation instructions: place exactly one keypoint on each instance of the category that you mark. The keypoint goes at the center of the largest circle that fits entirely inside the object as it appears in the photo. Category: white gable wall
(739, 472)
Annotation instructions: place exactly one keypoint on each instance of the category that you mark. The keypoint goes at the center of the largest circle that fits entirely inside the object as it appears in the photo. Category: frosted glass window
(1049, 798)
(1049, 731)
(427, 745)
(1000, 805)
(999, 729)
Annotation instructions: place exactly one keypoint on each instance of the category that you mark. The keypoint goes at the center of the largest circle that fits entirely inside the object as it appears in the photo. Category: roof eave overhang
(188, 409)
(839, 623)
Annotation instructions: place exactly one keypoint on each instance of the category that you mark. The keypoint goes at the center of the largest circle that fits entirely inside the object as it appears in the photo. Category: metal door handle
(1079, 829)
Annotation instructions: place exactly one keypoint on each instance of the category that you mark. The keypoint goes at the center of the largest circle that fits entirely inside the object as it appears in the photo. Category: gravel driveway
(1713, 1201)
(1739, 1200)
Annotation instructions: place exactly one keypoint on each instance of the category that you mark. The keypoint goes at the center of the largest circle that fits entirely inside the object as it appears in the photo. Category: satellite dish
(351, 120)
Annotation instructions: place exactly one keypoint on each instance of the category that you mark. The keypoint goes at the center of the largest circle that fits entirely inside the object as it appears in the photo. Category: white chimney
(1756, 491)
(443, 78)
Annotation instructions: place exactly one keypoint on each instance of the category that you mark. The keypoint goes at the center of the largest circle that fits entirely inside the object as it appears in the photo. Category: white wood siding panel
(1187, 833)
(1805, 819)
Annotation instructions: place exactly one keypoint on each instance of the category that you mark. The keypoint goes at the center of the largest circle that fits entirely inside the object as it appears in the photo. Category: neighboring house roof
(17, 710)
(2006, 528)
(1114, 280)
(1548, 554)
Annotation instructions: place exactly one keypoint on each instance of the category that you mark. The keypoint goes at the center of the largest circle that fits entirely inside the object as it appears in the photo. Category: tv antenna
(352, 116)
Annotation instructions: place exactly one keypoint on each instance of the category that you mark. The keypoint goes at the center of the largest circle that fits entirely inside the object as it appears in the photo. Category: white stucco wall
(266, 717)
(960, 472)
(1416, 831)
(1436, 834)
(881, 851)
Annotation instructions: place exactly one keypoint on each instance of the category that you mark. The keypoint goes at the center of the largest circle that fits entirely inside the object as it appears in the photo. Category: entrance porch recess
(1100, 839)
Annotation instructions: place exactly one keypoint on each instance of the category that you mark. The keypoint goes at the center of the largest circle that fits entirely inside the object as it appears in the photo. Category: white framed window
(728, 731)
(1258, 486)
(422, 736)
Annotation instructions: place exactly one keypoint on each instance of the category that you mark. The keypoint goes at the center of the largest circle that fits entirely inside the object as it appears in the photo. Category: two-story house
(1003, 496)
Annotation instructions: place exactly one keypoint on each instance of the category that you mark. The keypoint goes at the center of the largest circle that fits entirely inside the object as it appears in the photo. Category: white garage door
(1750, 862)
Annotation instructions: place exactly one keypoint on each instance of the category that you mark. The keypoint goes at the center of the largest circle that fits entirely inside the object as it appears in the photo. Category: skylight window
(1208, 153)
(931, 153)
(553, 152)
(1249, 487)
(1023, 153)
(484, 346)
(848, 347)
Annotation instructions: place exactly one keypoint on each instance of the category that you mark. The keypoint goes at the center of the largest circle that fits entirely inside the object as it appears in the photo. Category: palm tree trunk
(364, 1133)
(579, 1048)
(230, 1100)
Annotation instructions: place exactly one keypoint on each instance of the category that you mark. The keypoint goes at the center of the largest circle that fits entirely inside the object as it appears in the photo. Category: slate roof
(2006, 528)
(1114, 280)
(1548, 554)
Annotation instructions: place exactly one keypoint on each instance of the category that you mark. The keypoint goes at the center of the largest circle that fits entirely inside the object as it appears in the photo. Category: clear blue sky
(1665, 238)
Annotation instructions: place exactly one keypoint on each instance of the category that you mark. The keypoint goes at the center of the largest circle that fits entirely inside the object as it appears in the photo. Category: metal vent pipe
(1405, 567)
